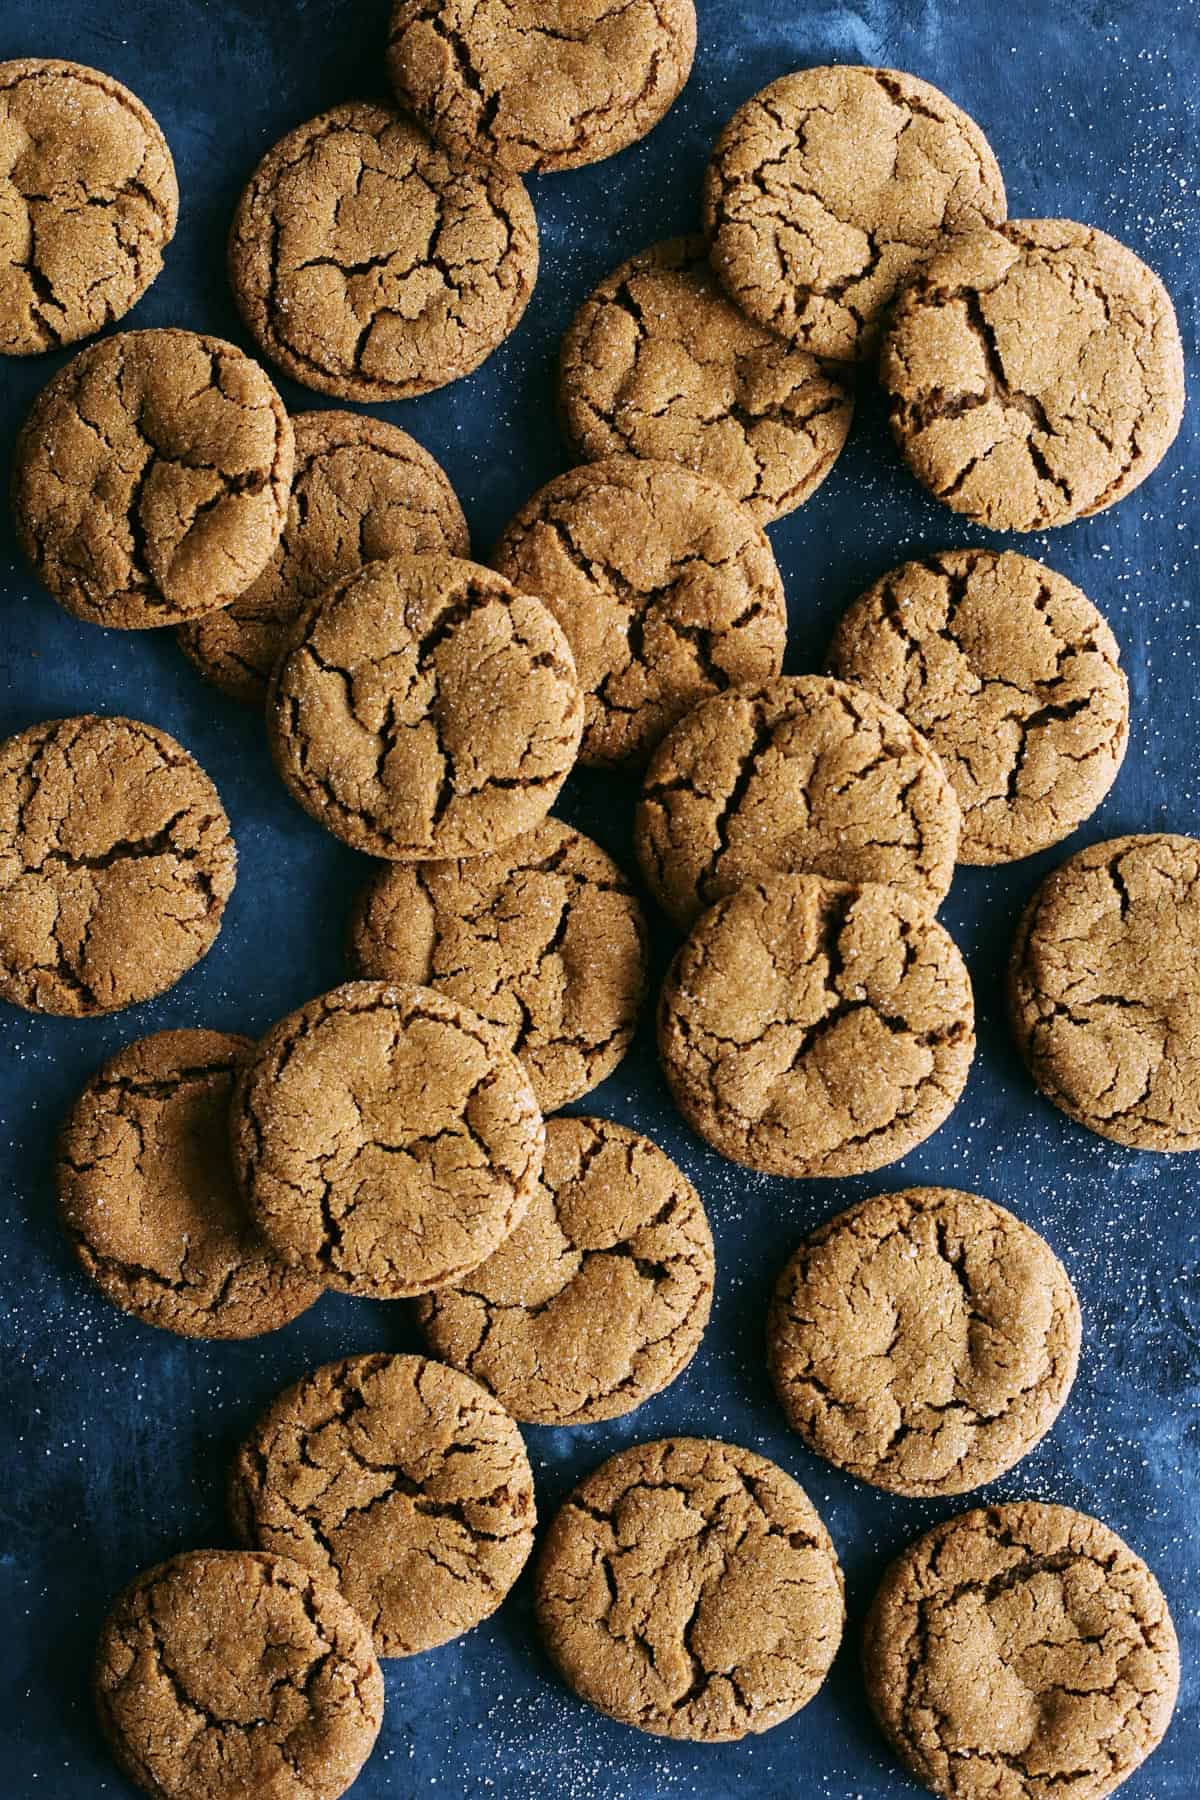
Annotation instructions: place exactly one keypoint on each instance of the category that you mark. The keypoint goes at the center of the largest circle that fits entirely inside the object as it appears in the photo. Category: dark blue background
(115, 1437)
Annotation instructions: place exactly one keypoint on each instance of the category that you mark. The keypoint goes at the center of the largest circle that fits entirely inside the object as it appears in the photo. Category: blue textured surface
(115, 1437)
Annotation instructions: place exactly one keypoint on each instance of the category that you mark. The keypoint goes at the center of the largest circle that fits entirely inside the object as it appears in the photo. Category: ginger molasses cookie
(368, 263)
(1014, 678)
(689, 1588)
(666, 589)
(151, 479)
(363, 489)
(425, 709)
(385, 1139)
(225, 1673)
(600, 1296)
(404, 1482)
(811, 1027)
(805, 775)
(1021, 1650)
(1035, 373)
(924, 1341)
(115, 865)
(828, 187)
(545, 939)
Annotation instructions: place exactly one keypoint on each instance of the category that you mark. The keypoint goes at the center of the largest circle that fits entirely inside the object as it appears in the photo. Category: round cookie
(923, 1341)
(600, 1296)
(363, 489)
(1014, 678)
(1102, 990)
(659, 364)
(689, 1588)
(148, 1198)
(115, 865)
(666, 589)
(385, 1139)
(514, 937)
(222, 1674)
(828, 187)
(424, 709)
(151, 478)
(815, 1028)
(369, 264)
(1022, 428)
(1021, 1650)
(805, 775)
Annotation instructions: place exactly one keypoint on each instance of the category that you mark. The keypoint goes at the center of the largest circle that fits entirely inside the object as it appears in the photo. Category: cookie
(369, 264)
(814, 1028)
(148, 1198)
(600, 1296)
(115, 865)
(1034, 373)
(923, 1341)
(689, 1588)
(385, 1139)
(151, 479)
(514, 936)
(549, 86)
(806, 776)
(1013, 677)
(659, 364)
(1022, 1651)
(1102, 990)
(222, 1674)
(90, 203)
(362, 490)
(828, 187)
(666, 589)
(423, 709)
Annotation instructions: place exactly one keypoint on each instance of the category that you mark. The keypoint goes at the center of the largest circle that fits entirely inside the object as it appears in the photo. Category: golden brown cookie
(1035, 373)
(813, 1028)
(600, 1296)
(1021, 1651)
(115, 865)
(924, 1341)
(666, 589)
(401, 1480)
(150, 480)
(363, 489)
(514, 936)
(828, 187)
(1014, 678)
(689, 1588)
(368, 264)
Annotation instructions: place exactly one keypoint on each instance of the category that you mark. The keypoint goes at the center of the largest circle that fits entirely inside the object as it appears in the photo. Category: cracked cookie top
(1021, 1650)
(425, 709)
(540, 84)
(666, 589)
(404, 1482)
(814, 1028)
(151, 478)
(369, 264)
(828, 187)
(600, 1296)
(1102, 990)
(115, 865)
(225, 1673)
(1014, 678)
(385, 1139)
(689, 1588)
(514, 936)
(1035, 373)
(88, 203)
(923, 1341)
